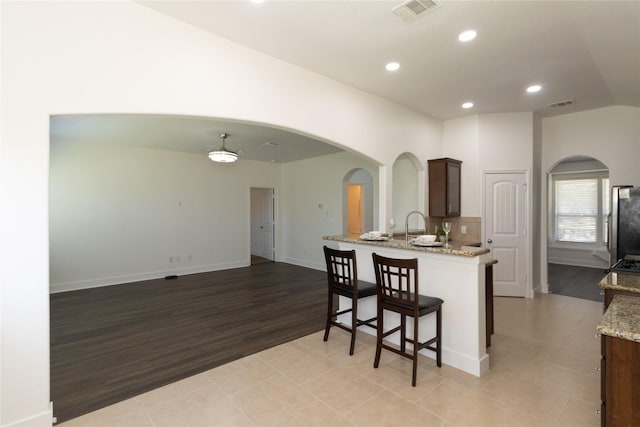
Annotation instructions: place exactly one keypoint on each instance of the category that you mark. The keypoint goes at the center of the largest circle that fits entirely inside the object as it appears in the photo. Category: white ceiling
(586, 51)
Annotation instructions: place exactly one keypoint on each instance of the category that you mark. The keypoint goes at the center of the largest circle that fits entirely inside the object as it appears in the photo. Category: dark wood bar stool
(342, 277)
(397, 288)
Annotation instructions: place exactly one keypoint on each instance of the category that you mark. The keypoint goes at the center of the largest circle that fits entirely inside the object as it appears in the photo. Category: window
(581, 206)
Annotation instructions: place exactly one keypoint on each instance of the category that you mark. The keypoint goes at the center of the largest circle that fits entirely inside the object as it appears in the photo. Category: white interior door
(262, 223)
(268, 223)
(506, 231)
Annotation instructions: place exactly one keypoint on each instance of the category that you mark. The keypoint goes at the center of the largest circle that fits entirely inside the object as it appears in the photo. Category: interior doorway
(357, 202)
(354, 208)
(262, 225)
(578, 209)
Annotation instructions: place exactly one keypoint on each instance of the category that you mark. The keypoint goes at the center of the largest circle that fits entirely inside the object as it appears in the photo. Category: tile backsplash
(472, 224)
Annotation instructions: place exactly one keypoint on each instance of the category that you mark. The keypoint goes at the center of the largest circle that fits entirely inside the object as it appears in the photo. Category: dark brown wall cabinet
(444, 187)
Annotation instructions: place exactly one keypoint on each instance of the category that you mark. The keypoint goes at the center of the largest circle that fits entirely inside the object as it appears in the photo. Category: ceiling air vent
(411, 10)
(562, 103)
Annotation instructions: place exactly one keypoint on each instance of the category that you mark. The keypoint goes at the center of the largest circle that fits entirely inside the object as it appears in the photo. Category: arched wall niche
(408, 191)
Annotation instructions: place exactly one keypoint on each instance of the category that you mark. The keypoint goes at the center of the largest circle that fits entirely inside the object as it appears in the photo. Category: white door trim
(529, 292)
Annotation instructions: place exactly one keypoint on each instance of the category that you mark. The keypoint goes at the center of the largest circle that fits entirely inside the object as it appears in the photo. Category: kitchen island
(455, 274)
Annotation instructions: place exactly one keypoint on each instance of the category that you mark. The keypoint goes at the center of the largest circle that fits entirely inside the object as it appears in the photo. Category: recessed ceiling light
(392, 66)
(466, 36)
(534, 88)
(467, 105)
(257, 1)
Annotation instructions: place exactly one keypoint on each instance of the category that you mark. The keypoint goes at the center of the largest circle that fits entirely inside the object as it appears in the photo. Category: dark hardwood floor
(112, 343)
(577, 282)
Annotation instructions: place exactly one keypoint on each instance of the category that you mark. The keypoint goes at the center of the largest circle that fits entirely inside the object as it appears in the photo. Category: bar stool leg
(416, 320)
(329, 315)
(403, 332)
(439, 341)
(379, 332)
(354, 324)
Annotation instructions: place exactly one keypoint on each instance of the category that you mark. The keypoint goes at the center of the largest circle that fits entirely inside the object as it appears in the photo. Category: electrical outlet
(170, 259)
(463, 229)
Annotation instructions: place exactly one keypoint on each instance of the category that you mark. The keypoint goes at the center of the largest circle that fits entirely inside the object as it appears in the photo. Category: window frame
(601, 216)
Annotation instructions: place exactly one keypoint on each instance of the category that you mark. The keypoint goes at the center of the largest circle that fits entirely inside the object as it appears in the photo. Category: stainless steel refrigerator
(624, 223)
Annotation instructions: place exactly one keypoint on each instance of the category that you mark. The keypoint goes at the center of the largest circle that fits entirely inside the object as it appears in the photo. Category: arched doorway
(577, 226)
(357, 201)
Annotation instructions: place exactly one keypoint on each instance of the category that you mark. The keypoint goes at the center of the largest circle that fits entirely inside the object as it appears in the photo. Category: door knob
(489, 241)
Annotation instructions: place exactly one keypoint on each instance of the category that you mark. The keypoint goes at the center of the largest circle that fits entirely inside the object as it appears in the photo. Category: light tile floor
(543, 359)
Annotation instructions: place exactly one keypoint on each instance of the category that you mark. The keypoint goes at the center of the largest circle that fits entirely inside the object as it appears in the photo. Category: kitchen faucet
(406, 224)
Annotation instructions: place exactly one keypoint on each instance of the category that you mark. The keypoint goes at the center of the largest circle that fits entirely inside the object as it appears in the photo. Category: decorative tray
(416, 242)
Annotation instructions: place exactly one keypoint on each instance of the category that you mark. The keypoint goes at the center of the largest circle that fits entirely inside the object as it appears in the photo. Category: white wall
(120, 57)
(121, 213)
(487, 142)
(461, 142)
(312, 204)
(610, 135)
(506, 141)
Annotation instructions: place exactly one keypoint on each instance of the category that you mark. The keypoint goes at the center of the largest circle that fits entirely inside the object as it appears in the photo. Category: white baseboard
(43, 419)
(128, 278)
(305, 263)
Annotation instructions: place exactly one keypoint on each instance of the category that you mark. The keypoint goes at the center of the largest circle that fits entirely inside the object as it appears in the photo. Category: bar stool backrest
(397, 281)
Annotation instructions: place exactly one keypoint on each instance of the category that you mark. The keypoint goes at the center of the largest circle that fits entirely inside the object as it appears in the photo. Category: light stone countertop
(622, 282)
(622, 319)
(456, 248)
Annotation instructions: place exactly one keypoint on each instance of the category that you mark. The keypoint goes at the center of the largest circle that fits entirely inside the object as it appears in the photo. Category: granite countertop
(622, 282)
(456, 248)
(622, 319)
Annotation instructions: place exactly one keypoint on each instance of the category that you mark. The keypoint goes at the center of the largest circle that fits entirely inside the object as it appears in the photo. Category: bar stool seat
(397, 286)
(342, 278)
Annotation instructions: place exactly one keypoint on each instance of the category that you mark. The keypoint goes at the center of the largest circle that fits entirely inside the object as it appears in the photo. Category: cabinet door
(437, 188)
(453, 189)
(622, 376)
(444, 187)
